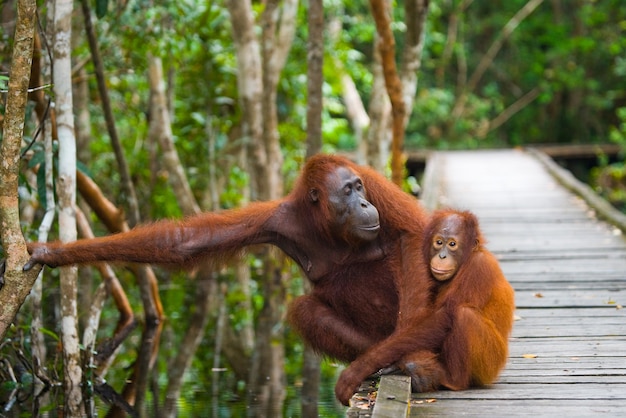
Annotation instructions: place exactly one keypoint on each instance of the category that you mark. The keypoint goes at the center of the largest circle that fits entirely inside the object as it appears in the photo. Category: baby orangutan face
(446, 249)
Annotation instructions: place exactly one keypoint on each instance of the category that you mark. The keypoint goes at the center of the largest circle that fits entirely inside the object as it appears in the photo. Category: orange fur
(476, 308)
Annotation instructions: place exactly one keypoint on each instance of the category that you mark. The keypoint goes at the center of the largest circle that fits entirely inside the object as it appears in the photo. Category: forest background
(169, 108)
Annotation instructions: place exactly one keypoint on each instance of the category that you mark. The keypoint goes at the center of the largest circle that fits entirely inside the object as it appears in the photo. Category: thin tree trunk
(385, 111)
(511, 110)
(415, 12)
(279, 27)
(66, 191)
(250, 87)
(161, 130)
(82, 128)
(356, 113)
(315, 81)
(355, 109)
(39, 347)
(379, 134)
(315, 77)
(17, 284)
(44, 117)
(127, 184)
(394, 87)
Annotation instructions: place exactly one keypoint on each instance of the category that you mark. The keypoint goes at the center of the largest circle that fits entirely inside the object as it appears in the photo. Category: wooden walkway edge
(568, 267)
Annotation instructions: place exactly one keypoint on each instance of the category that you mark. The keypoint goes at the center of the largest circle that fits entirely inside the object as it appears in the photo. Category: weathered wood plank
(563, 298)
(565, 377)
(612, 282)
(394, 395)
(588, 313)
(500, 391)
(519, 407)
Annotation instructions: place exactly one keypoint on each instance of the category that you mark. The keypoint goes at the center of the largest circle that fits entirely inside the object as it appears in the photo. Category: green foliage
(610, 179)
(573, 55)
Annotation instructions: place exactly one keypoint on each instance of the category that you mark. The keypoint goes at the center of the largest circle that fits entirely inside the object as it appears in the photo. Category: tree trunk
(393, 94)
(315, 81)
(379, 134)
(279, 26)
(66, 191)
(127, 184)
(17, 284)
(394, 87)
(250, 86)
(161, 129)
(315, 77)
(45, 115)
(415, 12)
(39, 346)
(355, 109)
(82, 129)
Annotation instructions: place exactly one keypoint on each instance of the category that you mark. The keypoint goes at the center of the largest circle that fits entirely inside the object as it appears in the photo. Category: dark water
(18, 400)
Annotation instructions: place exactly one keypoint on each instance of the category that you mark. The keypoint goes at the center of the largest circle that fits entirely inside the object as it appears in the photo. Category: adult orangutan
(345, 225)
(473, 306)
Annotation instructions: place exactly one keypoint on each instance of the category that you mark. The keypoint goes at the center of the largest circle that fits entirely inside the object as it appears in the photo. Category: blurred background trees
(202, 104)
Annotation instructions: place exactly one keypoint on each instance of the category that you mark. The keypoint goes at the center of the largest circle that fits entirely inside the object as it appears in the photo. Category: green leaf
(49, 333)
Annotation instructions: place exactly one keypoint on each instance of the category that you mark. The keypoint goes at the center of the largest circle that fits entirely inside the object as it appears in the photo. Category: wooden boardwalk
(568, 347)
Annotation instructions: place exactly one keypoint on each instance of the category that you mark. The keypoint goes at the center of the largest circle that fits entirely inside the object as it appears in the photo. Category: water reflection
(22, 395)
(143, 369)
(30, 401)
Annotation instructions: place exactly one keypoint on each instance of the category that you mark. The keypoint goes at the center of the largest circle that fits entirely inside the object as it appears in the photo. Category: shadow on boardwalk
(568, 347)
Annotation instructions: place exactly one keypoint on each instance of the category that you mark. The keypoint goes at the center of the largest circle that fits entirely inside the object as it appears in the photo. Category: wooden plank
(587, 313)
(518, 407)
(612, 282)
(546, 330)
(571, 347)
(567, 298)
(567, 265)
(500, 391)
(562, 378)
(394, 395)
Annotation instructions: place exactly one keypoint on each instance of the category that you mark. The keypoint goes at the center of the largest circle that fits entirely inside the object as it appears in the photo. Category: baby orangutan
(473, 305)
